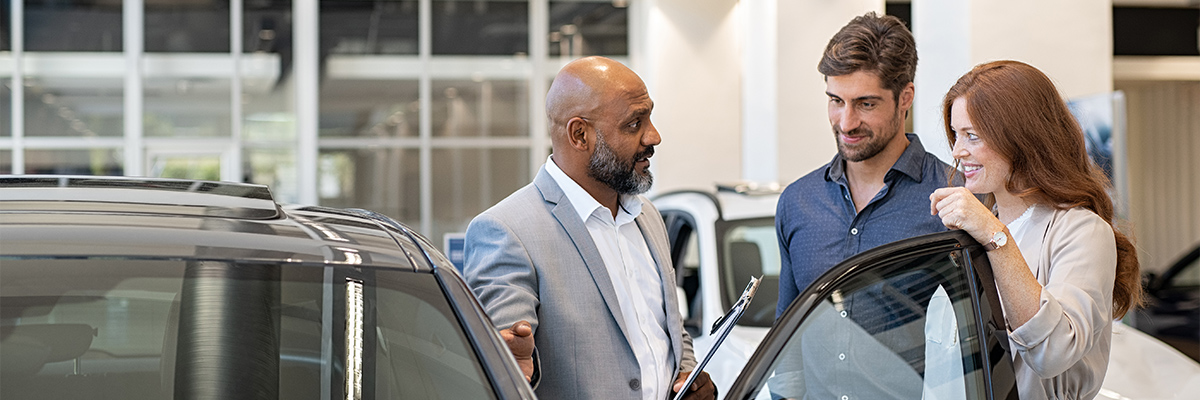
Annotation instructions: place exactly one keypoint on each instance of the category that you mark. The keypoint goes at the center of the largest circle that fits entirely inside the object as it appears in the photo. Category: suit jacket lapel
(660, 251)
(565, 213)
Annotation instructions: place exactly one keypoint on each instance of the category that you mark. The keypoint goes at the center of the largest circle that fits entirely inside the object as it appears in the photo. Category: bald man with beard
(576, 264)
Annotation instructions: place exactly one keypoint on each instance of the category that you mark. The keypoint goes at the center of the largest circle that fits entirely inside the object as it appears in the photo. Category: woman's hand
(960, 209)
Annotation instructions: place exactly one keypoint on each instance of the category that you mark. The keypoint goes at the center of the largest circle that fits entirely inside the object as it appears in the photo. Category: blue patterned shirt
(818, 227)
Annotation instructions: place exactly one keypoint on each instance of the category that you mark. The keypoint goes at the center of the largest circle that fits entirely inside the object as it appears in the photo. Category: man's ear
(577, 133)
(906, 96)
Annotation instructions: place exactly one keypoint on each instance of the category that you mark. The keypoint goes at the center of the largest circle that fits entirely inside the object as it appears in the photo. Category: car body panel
(125, 238)
(1141, 367)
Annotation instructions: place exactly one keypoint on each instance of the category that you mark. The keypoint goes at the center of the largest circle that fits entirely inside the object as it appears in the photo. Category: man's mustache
(644, 154)
(853, 132)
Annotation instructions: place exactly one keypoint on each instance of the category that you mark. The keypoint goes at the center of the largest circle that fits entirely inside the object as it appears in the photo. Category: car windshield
(748, 248)
(160, 329)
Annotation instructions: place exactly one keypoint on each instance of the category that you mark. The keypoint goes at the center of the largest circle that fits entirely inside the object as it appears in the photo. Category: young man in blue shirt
(876, 189)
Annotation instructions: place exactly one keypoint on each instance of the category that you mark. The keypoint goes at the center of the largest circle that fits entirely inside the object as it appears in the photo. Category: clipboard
(721, 329)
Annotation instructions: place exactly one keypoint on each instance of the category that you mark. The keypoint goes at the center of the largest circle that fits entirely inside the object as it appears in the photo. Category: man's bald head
(583, 86)
(599, 117)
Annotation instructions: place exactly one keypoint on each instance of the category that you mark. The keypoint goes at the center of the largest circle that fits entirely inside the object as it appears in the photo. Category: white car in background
(744, 226)
(719, 239)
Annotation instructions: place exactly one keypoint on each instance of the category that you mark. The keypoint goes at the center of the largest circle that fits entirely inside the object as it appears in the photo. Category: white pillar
(760, 83)
(232, 167)
(736, 89)
(132, 17)
(306, 66)
(17, 24)
(805, 138)
(1070, 41)
(691, 67)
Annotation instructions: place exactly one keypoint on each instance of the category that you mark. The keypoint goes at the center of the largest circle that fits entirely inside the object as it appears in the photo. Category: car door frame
(999, 379)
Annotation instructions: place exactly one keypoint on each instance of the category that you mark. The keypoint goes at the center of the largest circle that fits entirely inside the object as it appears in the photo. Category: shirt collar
(586, 205)
(909, 163)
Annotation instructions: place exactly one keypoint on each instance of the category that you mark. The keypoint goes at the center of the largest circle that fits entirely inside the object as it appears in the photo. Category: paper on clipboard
(721, 329)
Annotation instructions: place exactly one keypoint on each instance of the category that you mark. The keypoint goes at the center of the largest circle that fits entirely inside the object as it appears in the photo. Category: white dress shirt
(635, 277)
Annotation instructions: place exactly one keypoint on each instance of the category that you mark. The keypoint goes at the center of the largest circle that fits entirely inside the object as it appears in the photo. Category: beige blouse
(1062, 352)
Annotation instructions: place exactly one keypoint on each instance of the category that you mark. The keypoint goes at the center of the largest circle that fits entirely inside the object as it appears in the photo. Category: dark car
(1173, 312)
(129, 288)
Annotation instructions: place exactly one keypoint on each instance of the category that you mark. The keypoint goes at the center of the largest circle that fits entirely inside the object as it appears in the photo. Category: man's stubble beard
(874, 143)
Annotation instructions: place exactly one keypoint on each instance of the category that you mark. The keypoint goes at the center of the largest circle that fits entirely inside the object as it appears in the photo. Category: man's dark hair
(882, 45)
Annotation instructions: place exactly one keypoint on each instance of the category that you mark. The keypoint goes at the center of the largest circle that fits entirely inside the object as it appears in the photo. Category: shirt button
(843, 314)
(842, 356)
(635, 384)
(853, 231)
(845, 397)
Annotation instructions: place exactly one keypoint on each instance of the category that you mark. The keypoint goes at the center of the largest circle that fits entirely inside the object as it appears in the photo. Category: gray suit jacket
(531, 258)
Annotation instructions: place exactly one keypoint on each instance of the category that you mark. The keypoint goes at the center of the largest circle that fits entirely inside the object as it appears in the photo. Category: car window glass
(422, 352)
(750, 248)
(146, 329)
(903, 331)
(691, 253)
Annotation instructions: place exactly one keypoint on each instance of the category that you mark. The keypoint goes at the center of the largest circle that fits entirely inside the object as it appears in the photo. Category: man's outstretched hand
(702, 388)
(519, 339)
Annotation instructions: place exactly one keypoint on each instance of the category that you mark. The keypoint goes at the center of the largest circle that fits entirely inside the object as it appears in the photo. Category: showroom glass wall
(428, 111)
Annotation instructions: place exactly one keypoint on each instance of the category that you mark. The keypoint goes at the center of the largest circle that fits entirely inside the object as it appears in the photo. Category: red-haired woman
(1062, 271)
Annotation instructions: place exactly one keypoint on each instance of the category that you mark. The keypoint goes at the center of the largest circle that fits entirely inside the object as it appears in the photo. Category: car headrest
(746, 260)
(26, 348)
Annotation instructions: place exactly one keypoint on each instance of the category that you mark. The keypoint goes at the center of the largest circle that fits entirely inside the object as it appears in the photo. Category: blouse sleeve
(1076, 299)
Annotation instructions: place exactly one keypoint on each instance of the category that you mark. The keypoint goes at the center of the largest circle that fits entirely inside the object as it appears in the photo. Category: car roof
(736, 201)
(743, 206)
(84, 216)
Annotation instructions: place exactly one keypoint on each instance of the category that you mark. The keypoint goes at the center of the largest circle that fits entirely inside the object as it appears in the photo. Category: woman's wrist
(987, 234)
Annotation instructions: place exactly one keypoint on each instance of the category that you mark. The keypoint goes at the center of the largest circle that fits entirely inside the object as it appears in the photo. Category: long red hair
(1019, 114)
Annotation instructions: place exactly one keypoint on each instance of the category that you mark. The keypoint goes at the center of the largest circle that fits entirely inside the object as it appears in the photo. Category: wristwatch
(998, 240)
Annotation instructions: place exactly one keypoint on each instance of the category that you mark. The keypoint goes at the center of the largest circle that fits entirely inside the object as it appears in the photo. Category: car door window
(158, 329)
(685, 251)
(749, 248)
(904, 330)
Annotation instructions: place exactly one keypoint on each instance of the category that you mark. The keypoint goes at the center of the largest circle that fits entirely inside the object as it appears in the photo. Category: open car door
(914, 319)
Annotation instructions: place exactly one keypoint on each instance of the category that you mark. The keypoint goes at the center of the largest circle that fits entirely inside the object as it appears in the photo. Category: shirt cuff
(536, 377)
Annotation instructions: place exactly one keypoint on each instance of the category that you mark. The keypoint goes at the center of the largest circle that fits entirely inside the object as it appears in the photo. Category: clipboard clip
(723, 326)
(744, 299)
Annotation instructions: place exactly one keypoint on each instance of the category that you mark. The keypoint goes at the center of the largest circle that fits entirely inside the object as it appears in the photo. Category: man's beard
(606, 167)
(873, 144)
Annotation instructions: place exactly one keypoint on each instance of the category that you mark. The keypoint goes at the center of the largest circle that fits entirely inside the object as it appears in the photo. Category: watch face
(998, 240)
